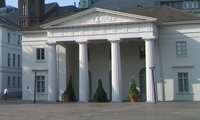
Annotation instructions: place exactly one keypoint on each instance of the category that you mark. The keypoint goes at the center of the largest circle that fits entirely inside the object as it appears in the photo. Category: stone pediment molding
(97, 16)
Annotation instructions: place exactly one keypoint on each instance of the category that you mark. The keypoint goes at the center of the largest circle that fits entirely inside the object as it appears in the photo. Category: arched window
(32, 6)
(24, 8)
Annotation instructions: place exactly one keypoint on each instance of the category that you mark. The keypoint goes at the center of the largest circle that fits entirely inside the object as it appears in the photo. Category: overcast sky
(60, 2)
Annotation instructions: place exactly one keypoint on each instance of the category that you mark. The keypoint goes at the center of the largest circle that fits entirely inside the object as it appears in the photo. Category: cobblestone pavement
(18, 110)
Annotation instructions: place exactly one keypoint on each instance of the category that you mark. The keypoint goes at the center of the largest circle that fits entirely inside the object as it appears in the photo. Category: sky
(60, 2)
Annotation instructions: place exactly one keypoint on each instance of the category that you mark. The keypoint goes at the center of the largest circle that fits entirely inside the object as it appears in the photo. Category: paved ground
(17, 110)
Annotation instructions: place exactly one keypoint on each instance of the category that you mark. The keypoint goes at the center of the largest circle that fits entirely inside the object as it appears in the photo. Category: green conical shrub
(69, 92)
(100, 95)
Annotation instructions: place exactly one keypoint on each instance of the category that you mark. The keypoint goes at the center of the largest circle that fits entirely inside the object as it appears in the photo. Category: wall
(171, 64)
(12, 47)
(30, 43)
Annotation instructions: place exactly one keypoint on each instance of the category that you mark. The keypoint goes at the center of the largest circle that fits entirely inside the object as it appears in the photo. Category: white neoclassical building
(10, 58)
(114, 46)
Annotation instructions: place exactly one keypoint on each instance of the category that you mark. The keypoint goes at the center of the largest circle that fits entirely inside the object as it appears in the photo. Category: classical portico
(95, 25)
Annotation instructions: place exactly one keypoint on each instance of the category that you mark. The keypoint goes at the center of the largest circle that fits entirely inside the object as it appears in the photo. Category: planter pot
(66, 98)
(133, 98)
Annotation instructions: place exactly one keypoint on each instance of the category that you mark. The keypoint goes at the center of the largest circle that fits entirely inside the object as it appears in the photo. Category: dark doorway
(143, 85)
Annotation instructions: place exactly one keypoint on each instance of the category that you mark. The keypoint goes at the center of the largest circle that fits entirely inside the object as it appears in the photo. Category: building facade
(114, 46)
(11, 57)
(86, 3)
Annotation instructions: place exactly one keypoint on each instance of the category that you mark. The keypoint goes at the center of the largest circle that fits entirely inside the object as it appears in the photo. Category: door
(143, 84)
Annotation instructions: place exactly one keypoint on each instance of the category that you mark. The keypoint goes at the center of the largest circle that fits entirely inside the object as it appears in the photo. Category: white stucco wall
(29, 45)
(171, 64)
(12, 47)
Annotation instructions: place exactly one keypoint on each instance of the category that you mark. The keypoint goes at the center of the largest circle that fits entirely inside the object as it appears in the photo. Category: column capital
(115, 41)
(82, 41)
(51, 42)
(150, 39)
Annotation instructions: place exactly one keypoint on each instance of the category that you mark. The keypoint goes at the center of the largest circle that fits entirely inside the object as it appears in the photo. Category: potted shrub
(68, 95)
(133, 91)
(100, 94)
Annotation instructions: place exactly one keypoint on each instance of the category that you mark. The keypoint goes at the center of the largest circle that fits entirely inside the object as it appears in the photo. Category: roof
(9, 16)
(12, 17)
(122, 4)
(62, 11)
(4, 21)
(56, 12)
(162, 13)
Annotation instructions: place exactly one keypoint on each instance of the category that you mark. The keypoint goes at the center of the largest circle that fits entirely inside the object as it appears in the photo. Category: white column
(116, 71)
(149, 48)
(83, 73)
(52, 72)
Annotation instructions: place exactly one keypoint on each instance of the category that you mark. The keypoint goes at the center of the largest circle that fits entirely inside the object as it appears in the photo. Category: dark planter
(66, 98)
(133, 98)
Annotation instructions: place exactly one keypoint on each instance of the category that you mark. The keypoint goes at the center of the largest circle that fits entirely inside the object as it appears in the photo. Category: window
(88, 54)
(8, 59)
(9, 84)
(19, 40)
(84, 4)
(181, 49)
(193, 4)
(18, 61)
(183, 82)
(92, 2)
(40, 54)
(24, 10)
(196, 5)
(18, 82)
(13, 60)
(142, 52)
(14, 82)
(40, 83)
(170, 4)
(32, 8)
(8, 37)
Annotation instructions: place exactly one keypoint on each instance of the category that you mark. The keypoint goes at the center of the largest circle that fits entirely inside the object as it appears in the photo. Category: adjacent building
(11, 58)
(191, 6)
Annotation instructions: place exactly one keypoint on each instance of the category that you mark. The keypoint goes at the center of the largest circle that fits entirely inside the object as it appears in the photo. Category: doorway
(143, 85)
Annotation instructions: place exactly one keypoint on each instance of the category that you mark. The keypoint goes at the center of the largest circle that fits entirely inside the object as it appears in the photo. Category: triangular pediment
(97, 16)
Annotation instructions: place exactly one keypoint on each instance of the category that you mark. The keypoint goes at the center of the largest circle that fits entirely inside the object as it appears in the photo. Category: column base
(152, 102)
(116, 101)
(81, 101)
